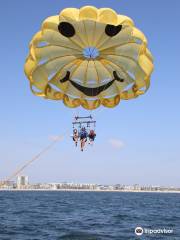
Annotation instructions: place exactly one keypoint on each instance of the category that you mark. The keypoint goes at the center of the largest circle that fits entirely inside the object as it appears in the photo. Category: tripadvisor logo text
(139, 231)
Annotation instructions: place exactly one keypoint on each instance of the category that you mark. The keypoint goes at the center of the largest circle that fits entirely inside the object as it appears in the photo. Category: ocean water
(87, 215)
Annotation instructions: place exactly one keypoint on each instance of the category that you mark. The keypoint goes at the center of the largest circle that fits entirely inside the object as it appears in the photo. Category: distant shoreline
(82, 190)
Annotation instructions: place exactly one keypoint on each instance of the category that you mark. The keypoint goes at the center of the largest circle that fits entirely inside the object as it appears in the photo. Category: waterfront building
(22, 182)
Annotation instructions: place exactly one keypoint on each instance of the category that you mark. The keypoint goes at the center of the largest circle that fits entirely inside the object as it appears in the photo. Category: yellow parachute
(89, 57)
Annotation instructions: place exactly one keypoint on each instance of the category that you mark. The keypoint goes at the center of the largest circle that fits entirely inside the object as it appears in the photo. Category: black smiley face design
(67, 30)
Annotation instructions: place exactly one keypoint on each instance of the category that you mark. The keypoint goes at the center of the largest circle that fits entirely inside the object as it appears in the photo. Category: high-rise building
(22, 181)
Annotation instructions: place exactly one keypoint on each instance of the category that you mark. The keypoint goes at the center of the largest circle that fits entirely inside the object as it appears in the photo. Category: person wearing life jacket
(91, 136)
(83, 137)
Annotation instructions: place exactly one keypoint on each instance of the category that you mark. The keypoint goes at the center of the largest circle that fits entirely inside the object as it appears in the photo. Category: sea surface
(51, 215)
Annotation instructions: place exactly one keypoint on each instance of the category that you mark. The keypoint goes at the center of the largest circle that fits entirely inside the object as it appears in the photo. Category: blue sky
(137, 142)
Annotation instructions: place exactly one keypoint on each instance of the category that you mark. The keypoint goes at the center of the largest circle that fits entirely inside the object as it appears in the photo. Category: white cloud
(116, 143)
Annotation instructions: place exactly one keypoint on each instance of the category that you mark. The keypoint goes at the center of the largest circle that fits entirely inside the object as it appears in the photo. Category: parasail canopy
(89, 57)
